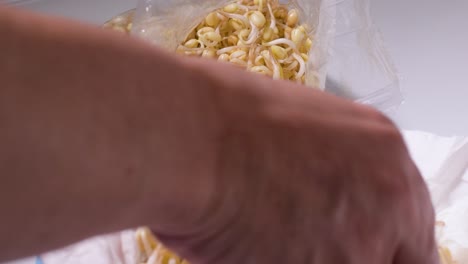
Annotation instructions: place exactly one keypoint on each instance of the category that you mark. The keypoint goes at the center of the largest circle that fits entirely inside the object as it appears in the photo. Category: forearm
(87, 120)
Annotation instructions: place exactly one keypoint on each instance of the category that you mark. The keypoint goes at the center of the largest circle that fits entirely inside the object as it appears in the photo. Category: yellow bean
(278, 52)
(213, 36)
(193, 43)
(223, 57)
(243, 34)
(308, 44)
(293, 17)
(267, 34)
(204, 30)
(236, 24)
(275, 30)
(212, 19)
(258, 19)
(232, 40)
(280, 13)
(231, 8)
(259, 61)
(297, 35)
(209, 54)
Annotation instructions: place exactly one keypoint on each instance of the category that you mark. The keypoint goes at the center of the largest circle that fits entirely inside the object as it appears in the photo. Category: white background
(428, 40)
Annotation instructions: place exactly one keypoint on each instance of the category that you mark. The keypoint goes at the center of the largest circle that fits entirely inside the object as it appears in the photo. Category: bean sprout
(301, 71)
(283, 41)
(292, 66)
(253, 34)
(272, 17)
(242, 18)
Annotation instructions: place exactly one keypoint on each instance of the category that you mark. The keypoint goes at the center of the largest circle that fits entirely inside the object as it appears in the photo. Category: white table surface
(428, 40)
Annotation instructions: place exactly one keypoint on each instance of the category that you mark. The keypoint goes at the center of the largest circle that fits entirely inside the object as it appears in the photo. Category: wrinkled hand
(303, 177)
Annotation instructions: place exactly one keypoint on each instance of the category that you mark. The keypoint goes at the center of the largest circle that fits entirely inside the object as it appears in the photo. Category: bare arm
(93, 125)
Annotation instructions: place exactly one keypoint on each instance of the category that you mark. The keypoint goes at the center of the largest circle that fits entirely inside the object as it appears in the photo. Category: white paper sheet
(444, 163)
(117, 248)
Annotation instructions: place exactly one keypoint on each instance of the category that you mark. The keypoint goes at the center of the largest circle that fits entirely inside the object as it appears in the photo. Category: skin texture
(101, 133)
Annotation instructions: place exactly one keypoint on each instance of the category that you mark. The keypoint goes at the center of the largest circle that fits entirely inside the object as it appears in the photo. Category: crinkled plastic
(360, 67)
(347, 46)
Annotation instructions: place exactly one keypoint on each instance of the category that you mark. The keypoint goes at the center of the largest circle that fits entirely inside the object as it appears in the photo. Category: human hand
(304, 177)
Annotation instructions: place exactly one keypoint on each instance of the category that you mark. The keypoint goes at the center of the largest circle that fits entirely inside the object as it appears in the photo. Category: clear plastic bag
(167, 23)
(360, 67)
(346, 45)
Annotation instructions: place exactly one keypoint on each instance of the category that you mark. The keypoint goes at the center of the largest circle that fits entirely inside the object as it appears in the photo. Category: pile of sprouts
(261, 36)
